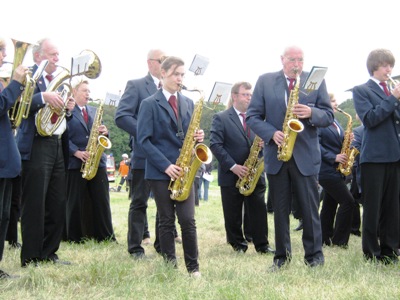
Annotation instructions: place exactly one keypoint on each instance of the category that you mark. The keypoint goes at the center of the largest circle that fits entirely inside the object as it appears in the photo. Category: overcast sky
(241, 39)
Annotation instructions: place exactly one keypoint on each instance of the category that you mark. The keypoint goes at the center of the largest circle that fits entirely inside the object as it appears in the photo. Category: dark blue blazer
(127, 112)
(380, 116)
(157, 132)
(330, 144)
(266, 114)
(78, 133)
(10, 159)
(229, 144)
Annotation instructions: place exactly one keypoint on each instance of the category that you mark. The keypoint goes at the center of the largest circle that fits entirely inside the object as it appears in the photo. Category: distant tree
(348, 107)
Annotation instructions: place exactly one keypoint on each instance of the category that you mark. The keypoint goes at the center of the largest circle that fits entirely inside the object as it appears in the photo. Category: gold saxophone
(291, 125)
(96, 145)
(255, 164)
(191, 157)
(351, 152)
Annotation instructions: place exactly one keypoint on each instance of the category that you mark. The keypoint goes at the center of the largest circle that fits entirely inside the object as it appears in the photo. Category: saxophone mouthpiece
(182, 87)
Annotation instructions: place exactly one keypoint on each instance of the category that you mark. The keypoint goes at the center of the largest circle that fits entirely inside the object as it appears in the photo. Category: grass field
(105, 270)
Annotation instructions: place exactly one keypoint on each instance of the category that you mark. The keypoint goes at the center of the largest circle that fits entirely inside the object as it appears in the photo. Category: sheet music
(112, 99)
(314, 79)
(79, 64)
(220, 93)
(199, 64)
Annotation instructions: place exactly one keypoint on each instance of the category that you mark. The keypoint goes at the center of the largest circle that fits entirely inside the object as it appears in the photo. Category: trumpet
(393, 82)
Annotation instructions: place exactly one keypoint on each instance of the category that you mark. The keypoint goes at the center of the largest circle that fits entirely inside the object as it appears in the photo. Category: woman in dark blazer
(161, 132)
(333, 182)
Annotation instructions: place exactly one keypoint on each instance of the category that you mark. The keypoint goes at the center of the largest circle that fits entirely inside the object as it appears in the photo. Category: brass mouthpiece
(182, 87)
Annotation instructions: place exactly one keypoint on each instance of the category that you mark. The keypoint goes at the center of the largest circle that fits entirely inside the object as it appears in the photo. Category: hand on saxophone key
(199, 135)
(103, 130)
(173, 171)
(278, 137)
(82, 155)
(240, 171)
(341, 158)
(302, 111)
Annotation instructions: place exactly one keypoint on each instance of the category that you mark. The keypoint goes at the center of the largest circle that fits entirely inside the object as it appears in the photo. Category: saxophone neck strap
(180, 132)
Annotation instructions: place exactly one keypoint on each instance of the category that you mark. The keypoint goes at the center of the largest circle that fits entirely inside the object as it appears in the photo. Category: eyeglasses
(158, 60)
(292, 60)
(244, 94)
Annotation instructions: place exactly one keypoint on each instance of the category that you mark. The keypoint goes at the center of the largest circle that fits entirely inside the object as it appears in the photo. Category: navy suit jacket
(157, 132)
(10, 159)
(380, 116)
(229, 144)
(79, 133)
(266, 114)
(127, 112)
(331, 144)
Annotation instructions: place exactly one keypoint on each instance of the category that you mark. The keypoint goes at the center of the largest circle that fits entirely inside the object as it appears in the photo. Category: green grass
(105, 270)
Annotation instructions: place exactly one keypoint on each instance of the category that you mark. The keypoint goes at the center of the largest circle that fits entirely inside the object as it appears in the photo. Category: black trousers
(380, 190)
(88, 207)
(137, 217)
(184, 210)
(15, 211)
(43, 200)
(5, 203)
(233, 204)
(288, 180)
(336, 193)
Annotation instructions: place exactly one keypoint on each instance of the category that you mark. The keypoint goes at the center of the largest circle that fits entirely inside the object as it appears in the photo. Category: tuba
(291, 125)
(351, 152)
(255, 164)
(43, 118)
(191, 157)
(96, 145)
(22, 105)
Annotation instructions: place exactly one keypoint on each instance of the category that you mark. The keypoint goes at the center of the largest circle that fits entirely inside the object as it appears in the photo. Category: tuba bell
(22, 104)
(44, 125)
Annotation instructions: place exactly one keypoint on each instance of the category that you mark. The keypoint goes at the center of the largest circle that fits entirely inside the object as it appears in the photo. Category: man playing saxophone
(162, 129)
(231, 143)
(88, 201)
(44, 161)
(298, 175)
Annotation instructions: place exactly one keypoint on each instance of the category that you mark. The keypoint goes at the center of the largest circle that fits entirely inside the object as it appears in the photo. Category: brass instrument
(255, 164)
(95, 147)
(351, 152)
(23, 103)
(291, 125)
(393, 82)
(191, 157)
(44, 125)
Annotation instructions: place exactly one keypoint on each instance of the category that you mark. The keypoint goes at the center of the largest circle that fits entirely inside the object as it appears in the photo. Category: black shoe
(300, 226)
(315, 263)
(266, 250)
(15, 245)
(138, 255)
(356, 232)
(34, 262)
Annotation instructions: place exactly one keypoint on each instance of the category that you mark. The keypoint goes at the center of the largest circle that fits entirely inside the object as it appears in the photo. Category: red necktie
(385, 88)
(85, 115)
(54, 117)
(172, 102)
(291, 83)
(244, 124)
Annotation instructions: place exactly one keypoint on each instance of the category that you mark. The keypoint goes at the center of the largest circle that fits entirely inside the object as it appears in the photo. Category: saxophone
(191, 157)
(351, 152)
(255, 164)
(291, 125)
(96, 145)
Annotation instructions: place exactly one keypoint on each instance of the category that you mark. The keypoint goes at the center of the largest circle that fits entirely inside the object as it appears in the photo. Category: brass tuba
(23, 103)
(291, 125)
(43, 118)
(95, 147)
(191, 157)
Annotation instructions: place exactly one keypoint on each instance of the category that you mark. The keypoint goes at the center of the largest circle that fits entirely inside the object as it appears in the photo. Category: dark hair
(170, 61)
(379, 57)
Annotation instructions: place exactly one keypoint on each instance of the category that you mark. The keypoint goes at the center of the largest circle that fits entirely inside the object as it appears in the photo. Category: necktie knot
(49, 77)
(385, 88)
(173, 104)
(243, 115)
(160, 84)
